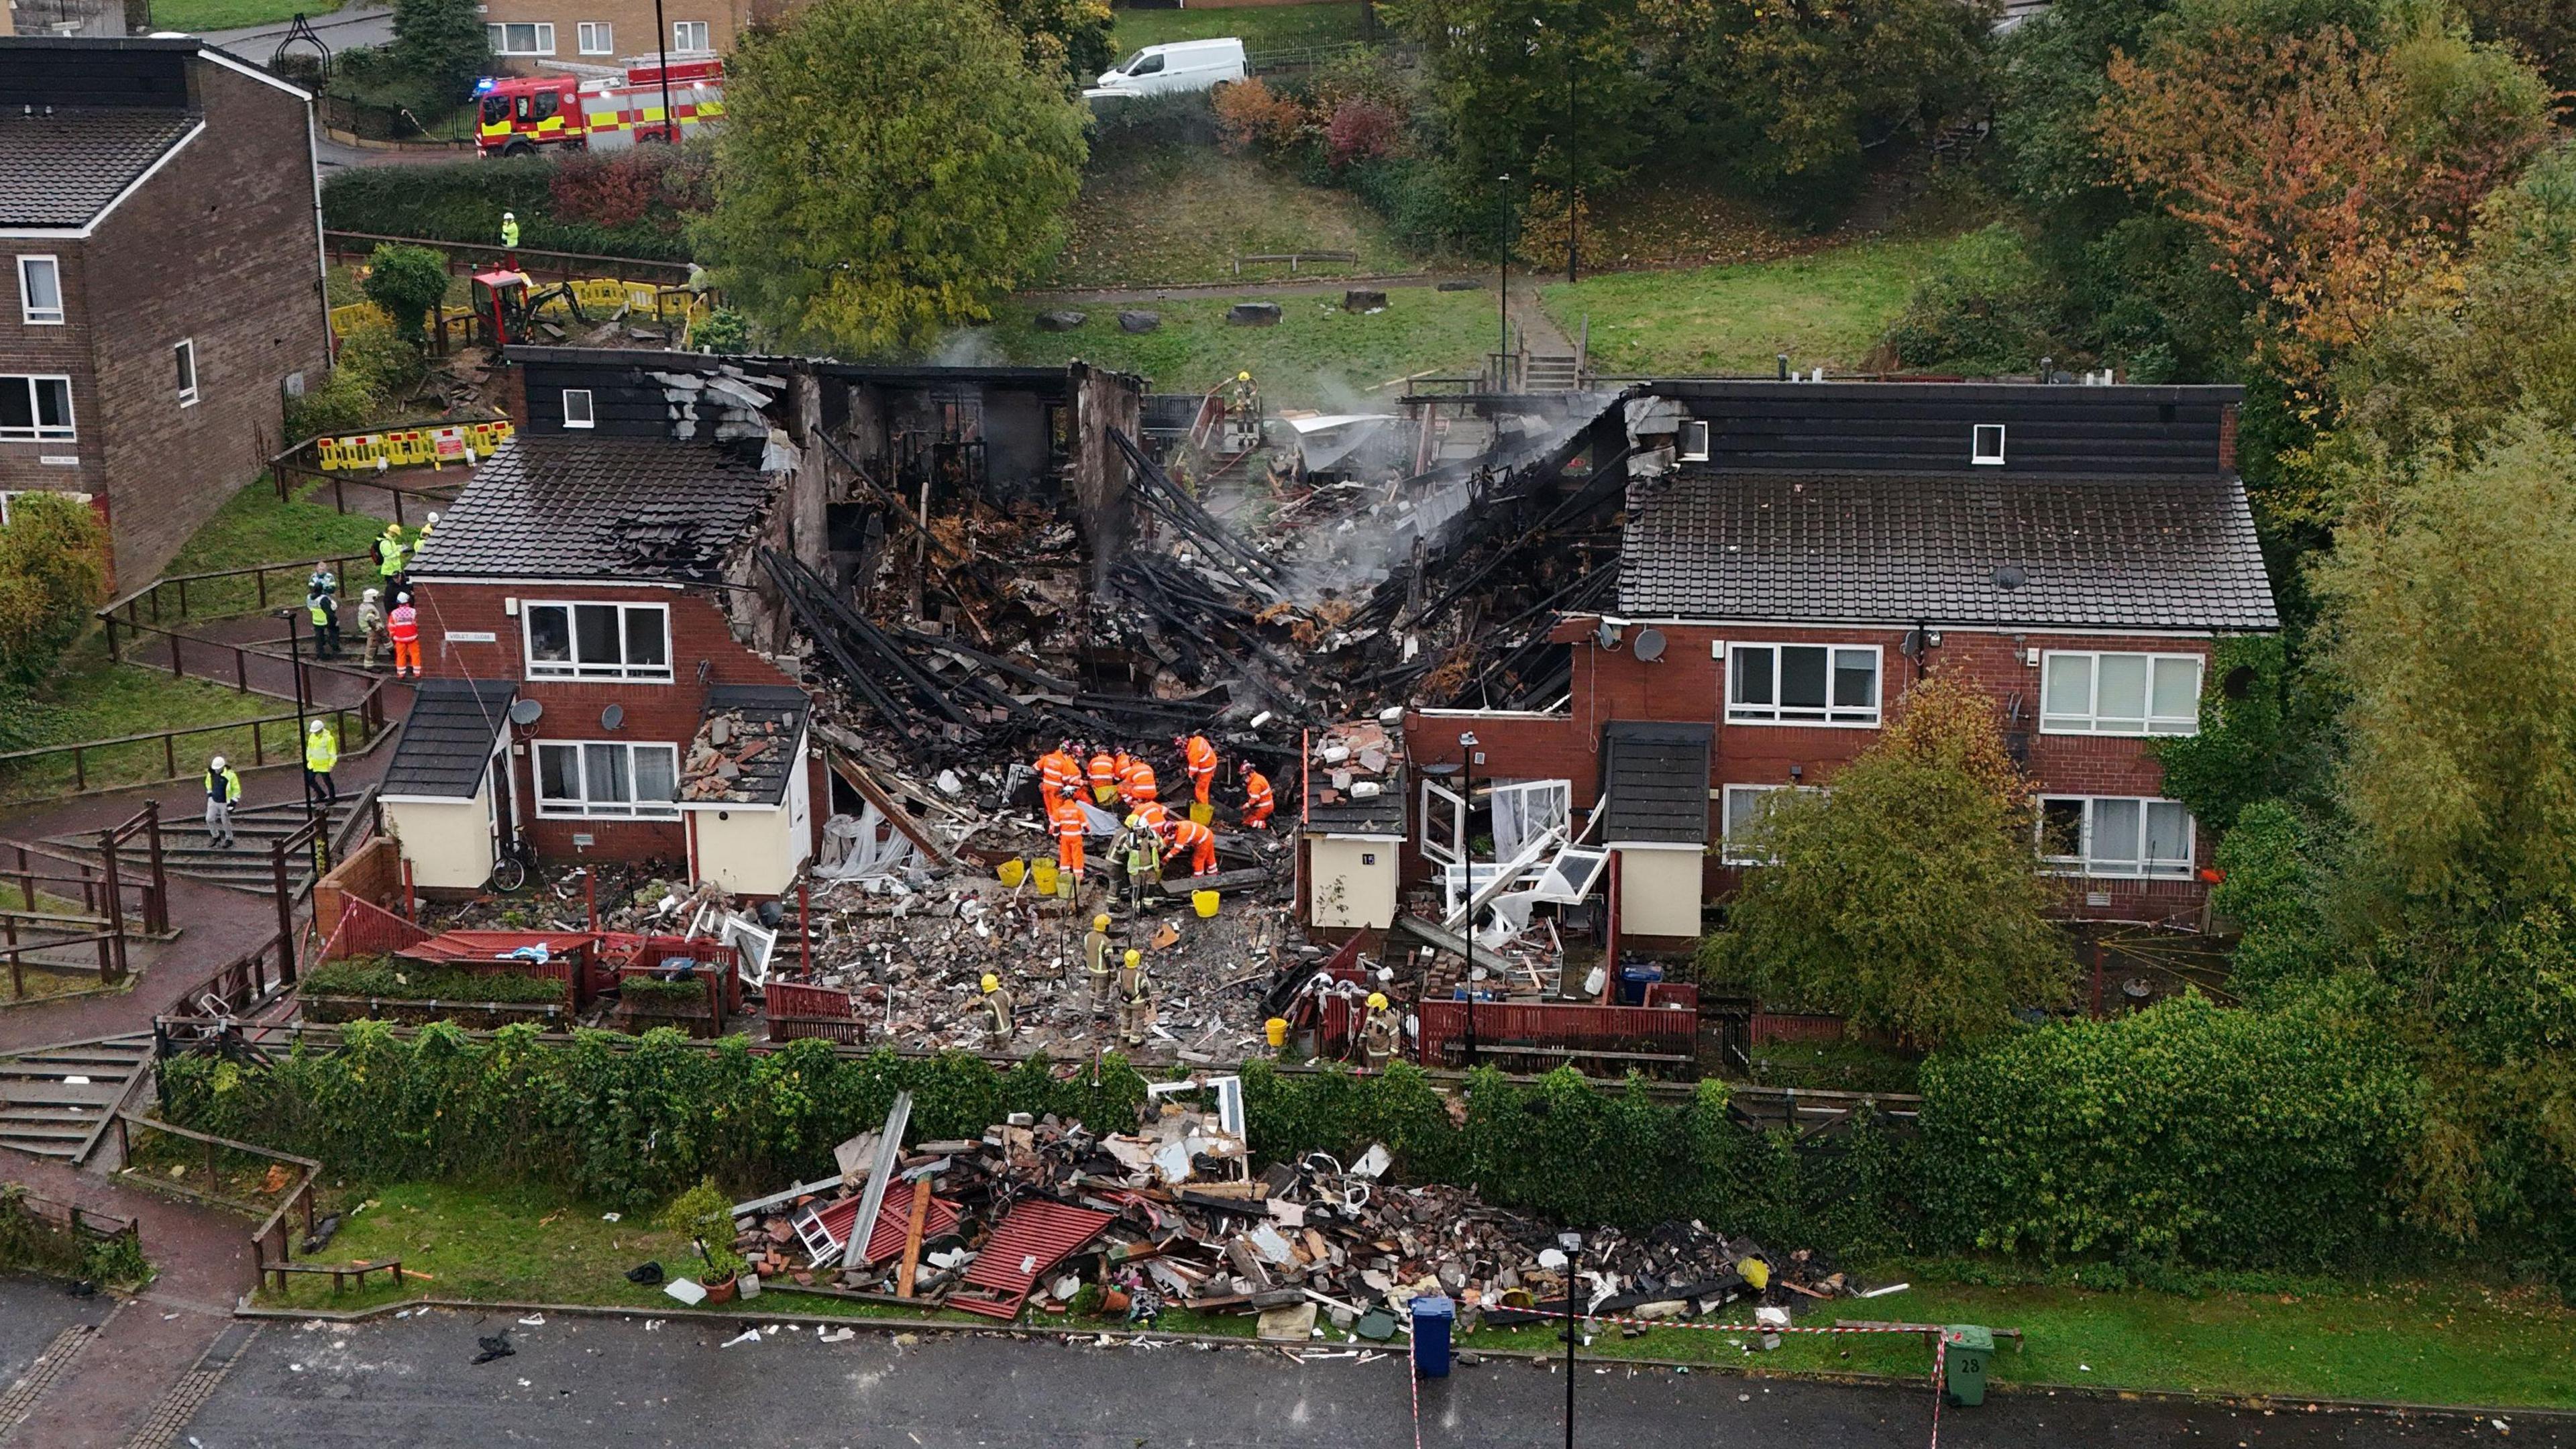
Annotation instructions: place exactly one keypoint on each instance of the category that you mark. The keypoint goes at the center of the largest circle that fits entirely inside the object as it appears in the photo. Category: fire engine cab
(520, 114)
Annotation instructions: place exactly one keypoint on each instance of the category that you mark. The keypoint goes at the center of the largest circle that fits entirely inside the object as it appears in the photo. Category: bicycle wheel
(508, 874)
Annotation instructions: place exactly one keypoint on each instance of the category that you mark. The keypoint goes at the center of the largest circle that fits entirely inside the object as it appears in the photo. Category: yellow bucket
(1011, 871)
(1202, 814)
(1276, 1031)
(1065, 882)
(1044, 870)
(1204, 902)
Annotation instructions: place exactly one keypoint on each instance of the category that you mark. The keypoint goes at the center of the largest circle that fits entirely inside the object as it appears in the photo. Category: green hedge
(383, 981)
(2184, 1132)
(653, 994)
(463, 202)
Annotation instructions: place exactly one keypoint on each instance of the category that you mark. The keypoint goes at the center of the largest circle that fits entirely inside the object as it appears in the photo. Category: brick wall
(219, 248)
(666, 713)
(1685, 685)
(630, 23)
(62, 348)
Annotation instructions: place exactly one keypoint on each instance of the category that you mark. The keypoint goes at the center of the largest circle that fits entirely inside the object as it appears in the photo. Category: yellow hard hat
(1377, 1001)
(1100, 922)
(992, 982)
(1243, 377)
(1133, 957)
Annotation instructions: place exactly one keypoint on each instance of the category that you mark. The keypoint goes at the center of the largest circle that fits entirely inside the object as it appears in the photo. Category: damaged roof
(568, 506)
(762, 723)
(448, 737)
(1656, 777)
(2000, 549)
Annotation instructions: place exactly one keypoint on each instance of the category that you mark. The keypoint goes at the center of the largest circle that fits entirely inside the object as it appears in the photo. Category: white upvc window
(36, 409)
(183, 361)
(594, 779)
(1692, 446)
(1747, 806)
(2116, 836)
(1986, 445)
(519, 37)
(597, 38)
(691, 35)
(40, 291)
(2087, 693)
(1802, 684)
(576, 407)
(598, 641)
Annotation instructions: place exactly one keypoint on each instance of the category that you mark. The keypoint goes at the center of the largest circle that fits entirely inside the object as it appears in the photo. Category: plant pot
(720, 1290)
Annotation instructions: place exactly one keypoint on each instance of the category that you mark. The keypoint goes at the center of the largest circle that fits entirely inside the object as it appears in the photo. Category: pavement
(596, 1381)
(32, 1311)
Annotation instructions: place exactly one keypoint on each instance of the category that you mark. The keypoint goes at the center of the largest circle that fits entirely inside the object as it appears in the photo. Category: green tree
(443, 43)
(887, 168)
(1987, 308)
(406, 282)
(1907, 895)
(53, 571)
(1066, 38)
(1542, 91)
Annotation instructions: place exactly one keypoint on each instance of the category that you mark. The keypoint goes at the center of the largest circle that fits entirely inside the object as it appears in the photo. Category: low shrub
(463, 202)
(1988, 308)
(381, 980)
(340, 405)
(652, 994)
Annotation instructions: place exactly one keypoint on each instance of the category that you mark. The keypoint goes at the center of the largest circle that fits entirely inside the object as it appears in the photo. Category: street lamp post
(1572, 1243)
(1467, 867)
(1503, 278)
(662, 52)
(295, 667)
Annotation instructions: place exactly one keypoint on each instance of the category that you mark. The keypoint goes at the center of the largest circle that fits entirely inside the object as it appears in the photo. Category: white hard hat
(509, 216)
(372, 593)
(315, 727)
(216, 763)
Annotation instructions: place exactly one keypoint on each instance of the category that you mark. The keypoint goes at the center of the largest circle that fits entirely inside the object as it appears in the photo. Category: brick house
(554, 36)
(1796, 556)
(158, 201)
(604, 575)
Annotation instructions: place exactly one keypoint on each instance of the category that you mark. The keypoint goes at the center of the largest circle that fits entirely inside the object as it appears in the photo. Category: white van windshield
(1128, 66)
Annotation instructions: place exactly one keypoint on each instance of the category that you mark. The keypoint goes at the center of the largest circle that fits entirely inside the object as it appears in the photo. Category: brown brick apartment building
(553, 35)
(164, 278)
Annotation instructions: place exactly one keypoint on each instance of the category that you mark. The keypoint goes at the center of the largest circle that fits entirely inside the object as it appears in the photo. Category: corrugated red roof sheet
(1034, 1236)
(894, 1221)
(495, 945)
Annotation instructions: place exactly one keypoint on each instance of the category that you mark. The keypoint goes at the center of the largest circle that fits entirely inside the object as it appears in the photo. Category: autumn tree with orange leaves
(2334, 180)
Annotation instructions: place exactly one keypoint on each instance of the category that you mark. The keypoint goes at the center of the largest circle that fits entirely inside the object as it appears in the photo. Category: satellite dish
(1912, 644)
(525, 711)
(1650, 644)
(1606, 634)
(613, 716)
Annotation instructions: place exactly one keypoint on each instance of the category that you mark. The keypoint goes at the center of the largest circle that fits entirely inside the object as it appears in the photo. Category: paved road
(32, 1311)
(588, 1381)
(351, 25)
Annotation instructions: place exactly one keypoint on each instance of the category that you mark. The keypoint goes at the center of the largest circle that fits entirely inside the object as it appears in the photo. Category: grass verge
(1317, 356)
(196, 17)
(1826, 308)
(1150, 216)
(89, 697)
(2451, 1342)
(1262, 27)
(253, 527)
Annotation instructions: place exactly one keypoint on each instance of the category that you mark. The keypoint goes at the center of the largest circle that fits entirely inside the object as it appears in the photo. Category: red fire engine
(520, 114)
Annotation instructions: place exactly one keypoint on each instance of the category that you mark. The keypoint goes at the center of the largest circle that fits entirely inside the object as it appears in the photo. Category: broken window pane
(595, 631)
(549, 634)
(2061, 829)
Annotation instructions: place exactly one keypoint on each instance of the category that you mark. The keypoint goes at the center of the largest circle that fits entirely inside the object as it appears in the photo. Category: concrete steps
(56, 1101)
(186, 848)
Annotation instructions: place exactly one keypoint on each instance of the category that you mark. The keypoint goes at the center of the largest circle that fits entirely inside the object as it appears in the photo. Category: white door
(800, 809)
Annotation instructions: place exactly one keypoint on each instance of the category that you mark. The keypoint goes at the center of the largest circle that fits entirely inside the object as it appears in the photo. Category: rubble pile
(1177, 1217)
(726, 744)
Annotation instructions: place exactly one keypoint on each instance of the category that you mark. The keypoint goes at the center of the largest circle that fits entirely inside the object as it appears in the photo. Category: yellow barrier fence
(432, 446)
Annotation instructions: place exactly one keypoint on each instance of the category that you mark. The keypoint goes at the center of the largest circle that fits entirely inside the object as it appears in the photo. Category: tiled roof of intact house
(569, 506)
(448, 737)
(2003, 549)
(62, 168)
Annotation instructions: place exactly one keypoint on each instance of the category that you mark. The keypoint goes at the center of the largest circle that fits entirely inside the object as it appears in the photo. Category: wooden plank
(912, 1236)
(901, 819)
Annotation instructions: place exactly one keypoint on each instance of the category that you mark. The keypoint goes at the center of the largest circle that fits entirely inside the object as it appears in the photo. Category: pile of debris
(1067, 1219)
(728, 744)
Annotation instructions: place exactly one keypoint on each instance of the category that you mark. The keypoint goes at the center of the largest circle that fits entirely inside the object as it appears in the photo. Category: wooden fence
(272, 1242)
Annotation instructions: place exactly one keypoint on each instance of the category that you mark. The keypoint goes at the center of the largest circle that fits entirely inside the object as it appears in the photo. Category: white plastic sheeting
(853, 851)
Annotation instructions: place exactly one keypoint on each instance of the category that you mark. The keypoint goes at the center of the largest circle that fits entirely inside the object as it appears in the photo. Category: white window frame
(541, 34)
(1550, 803)
(1729, 851)
(2085, 862)
(36, 431)
(1978, 453)
(1835, 717)
(1442, 806)
(589, 418)
(578, 668)
(185, 349)
(559, 807)
(706, 31)
(605, 44)
(1692, 445)
(2090, 721)
(28, 311)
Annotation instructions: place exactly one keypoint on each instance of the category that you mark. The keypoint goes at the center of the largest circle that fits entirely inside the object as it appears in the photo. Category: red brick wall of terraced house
(667, 713)
(1686, 684)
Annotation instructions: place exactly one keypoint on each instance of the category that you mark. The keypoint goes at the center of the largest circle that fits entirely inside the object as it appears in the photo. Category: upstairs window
(690, 35)
(40, 291)
(599, 641)
(1986, 444)
(2085, 693)
(2116, 836)
(183, 359)
(1807, 684)
(596, 38)
(576, 407)
(36, 409)
(1694, 441)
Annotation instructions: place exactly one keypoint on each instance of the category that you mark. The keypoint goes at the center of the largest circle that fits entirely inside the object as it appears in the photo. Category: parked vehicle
(1183, 65)
(520, 114)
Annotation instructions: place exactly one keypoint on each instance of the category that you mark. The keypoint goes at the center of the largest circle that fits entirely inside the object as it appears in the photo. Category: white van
(1183, 65)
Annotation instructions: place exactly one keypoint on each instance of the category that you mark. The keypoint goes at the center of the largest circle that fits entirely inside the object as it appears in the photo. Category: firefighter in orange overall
(402, 626)
(1104, 776)
(1257, 802)
(1137, 786)
(1059, 778)
(1198, 757)
(1198, 840)
(1068, 823)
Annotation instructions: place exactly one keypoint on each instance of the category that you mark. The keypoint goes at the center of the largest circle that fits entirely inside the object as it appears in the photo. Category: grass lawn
(253, 527)
(1317, 355)
(199, 16)
(1263, 27)
(2454, 1343)
(1826, 308)
(89, 698)
(1152, 215)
